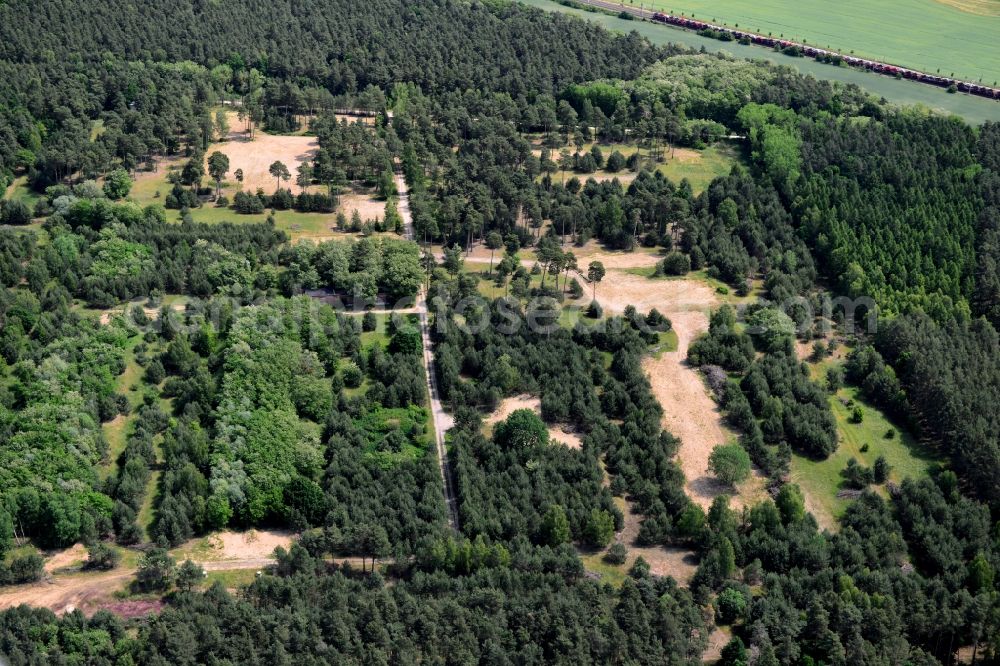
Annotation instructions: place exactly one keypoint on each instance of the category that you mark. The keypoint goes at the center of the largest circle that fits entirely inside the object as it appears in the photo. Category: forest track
(442, 420)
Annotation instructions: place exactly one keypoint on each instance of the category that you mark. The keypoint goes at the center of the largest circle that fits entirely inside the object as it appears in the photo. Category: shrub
(102, 556)
(617, 554)
(881, 469)
(594, 310)
(730, 606)
(730, 463)
(600, 528)
(247, 204)
(615, 163)
(856, 475)
(14, 213)
(676, 263)
(352, 376)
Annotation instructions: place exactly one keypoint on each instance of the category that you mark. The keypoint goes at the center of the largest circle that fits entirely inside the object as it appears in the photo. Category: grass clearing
(231, 579)
(19, 191)
(700, 167)
(147, 511)
(116, 430)
(820, 479)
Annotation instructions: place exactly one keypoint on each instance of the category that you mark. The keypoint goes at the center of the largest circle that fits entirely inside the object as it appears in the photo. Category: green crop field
(923, 34)
(898, 91)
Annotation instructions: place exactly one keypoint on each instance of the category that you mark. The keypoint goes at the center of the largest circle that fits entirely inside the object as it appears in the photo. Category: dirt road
(442, 420)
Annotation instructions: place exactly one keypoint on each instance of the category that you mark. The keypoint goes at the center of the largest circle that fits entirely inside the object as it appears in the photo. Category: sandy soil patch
(561, 434)
(364, 120)
(368, 207)
(255, 157)
(690, 414)
(230, 545)
(151, 313)
(678, 563)
(716, 641)
(591, 251)
(692, 298)
(68, 557)
(62, 594)
(89, 591)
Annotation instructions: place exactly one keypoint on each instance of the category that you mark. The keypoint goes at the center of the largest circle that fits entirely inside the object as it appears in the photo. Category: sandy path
(690, 414)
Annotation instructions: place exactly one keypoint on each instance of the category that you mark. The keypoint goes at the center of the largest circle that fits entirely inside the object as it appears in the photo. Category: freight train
(820, 54)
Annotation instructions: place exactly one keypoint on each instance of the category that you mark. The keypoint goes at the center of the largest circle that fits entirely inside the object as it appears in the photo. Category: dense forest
(257, 403)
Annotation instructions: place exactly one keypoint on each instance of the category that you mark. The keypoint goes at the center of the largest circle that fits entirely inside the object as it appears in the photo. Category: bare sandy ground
(368, 207)
(255, 157)
(88, 591)
(716, 641)
(230, 545)
(678, 563)
(618, 290)
(509, 405)
(690, 414)
(591, 251)
(74, 555)
(152, 313)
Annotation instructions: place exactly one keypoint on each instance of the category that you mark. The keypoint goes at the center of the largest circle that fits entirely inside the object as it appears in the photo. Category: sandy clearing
(255, 157)
(716, 641)
(685, 296)
(88, 591)
(61, 594)
(151, 313)
(689, 412)
(368, 207)
(591, 251)
(74, 555)
(678, 563)
(507, 406)
(230, 545)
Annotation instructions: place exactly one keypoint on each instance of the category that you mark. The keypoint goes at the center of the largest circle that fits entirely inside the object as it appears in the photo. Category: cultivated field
(974, 109)
(923, 34)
